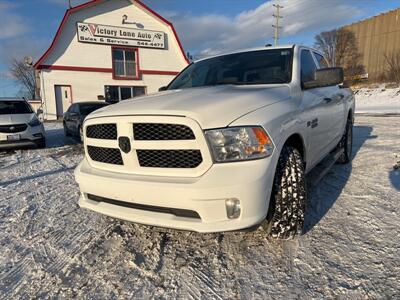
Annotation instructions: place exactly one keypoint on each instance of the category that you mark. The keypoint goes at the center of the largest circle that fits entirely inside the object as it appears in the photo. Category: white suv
(225, 146)
(19, 125)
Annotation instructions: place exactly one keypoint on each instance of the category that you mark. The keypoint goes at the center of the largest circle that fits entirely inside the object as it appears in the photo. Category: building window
(125, 65)
(118, 93)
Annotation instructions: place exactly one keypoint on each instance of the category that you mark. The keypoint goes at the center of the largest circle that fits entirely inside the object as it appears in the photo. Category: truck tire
(346, 144)
(285, 217)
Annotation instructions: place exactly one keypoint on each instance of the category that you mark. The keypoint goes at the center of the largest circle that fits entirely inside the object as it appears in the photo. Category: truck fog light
(232, 208)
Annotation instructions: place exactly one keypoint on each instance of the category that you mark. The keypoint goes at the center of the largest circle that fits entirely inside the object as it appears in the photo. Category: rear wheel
(285, 217)
(346, 143)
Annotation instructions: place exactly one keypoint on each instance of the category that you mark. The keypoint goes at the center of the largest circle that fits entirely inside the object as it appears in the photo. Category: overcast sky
(205, 27)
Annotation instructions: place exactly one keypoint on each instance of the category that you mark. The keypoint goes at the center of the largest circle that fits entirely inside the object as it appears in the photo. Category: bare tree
(393, 66)
(347, 54)
(24, 74)
(326, 43)
(340, 48)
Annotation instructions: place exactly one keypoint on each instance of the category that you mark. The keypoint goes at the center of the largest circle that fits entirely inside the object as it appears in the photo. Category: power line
(277, 17)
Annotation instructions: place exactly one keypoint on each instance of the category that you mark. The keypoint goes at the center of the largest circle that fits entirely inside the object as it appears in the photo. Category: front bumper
(31, 137)
(249, 181)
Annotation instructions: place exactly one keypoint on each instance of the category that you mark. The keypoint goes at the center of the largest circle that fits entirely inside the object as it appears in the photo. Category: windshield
(14, 107)
(255, 67)
(86, 109)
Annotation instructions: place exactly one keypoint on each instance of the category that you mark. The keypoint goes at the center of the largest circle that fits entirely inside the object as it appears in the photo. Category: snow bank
(378, 100)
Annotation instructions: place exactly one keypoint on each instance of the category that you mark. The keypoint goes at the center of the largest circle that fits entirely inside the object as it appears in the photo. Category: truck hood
(15, 119)
(211, 107)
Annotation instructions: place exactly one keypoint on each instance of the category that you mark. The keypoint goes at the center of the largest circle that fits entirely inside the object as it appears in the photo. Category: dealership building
(107, 50)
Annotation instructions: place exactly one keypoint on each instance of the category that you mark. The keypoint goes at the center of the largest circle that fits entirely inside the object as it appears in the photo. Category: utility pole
(277, 17)
(69, 4)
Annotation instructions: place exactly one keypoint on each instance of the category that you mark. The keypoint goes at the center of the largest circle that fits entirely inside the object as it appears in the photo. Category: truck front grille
(105, 155)
(13, 128)
(102, 131)
(159, 131)
(169, 158)
(159, 145)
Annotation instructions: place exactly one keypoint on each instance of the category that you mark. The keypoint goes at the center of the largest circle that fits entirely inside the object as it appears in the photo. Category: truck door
(317, 112)
(335, 102)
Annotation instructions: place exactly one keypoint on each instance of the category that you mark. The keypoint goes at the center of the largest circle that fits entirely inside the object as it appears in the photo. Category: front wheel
(285, 217)
(346, 144)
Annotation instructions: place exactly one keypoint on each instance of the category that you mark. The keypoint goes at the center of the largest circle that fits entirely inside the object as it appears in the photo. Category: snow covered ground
(378, 100)
(50, 248)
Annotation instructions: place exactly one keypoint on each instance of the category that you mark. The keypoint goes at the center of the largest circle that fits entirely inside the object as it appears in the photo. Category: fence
(377, 36)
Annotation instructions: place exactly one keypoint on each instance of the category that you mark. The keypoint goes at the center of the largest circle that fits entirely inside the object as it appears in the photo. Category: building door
(63, 98)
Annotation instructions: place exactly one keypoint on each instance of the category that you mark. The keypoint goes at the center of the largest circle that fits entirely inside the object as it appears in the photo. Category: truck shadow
(324, 195)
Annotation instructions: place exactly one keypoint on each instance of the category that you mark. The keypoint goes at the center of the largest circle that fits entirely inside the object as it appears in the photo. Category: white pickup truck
(225, 146)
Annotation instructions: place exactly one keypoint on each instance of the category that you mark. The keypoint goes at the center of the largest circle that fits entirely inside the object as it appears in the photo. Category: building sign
(112, 35)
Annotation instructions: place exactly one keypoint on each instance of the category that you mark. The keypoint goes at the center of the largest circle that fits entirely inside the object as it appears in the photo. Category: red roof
(94, 2)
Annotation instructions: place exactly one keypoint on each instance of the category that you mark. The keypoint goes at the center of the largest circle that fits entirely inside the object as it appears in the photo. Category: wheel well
(297, 142)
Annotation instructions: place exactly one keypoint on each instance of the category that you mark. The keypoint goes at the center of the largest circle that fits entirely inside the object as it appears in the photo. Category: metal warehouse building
(376, 37)
(107, 50)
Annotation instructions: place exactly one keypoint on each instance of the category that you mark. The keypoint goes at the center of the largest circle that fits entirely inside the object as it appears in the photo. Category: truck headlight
(239, 143)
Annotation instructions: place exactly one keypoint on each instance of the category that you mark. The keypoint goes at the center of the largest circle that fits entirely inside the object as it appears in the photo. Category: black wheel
(41, 143)
(66, 131)
(285, 217)
(346, 144)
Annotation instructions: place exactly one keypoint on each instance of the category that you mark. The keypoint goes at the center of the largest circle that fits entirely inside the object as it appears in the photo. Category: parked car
(19, 125)
(225, 146)
(76, 114)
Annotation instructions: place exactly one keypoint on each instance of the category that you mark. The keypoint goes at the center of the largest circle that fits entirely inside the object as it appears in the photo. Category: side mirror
(39, 112)
(325, 77)
(163, 88)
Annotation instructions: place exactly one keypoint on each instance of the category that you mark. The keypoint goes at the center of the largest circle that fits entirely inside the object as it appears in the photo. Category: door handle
(327, 100)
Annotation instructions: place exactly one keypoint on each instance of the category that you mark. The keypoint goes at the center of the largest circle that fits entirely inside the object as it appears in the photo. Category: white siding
(88, 85)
